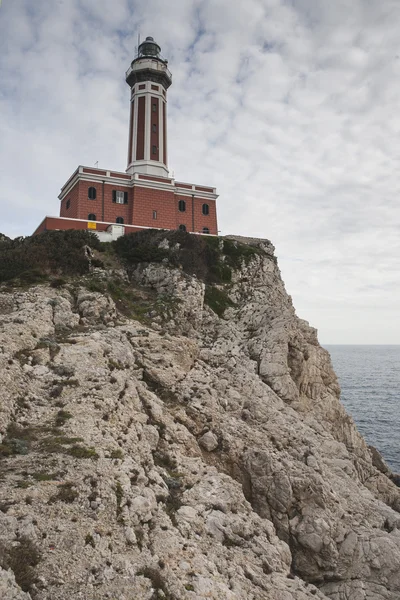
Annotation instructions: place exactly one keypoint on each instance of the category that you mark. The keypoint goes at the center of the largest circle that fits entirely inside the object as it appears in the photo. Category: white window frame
(119, 197)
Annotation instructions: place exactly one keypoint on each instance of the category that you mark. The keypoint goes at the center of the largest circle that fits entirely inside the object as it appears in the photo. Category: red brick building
(144, 196)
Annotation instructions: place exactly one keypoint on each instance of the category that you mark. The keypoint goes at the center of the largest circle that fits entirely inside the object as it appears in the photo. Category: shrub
(82, 452)
(32, 259)
(43, 476)
(56, 444)
(22, 560)
(66, 493)
(211, 259)
(62, 417)
(157, 580)
(17, 441)
(117, 453)
(119, 494)
(218, 300)
(89, 540)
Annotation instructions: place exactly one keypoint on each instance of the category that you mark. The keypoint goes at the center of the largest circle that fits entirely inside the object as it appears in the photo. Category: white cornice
(146, 183)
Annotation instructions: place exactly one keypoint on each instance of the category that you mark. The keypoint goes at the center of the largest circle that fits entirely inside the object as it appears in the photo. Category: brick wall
(52, 223)
(201, 220)
(73, 198)
(146, 200)
(142, 201)
(110, 211)
(183, 218)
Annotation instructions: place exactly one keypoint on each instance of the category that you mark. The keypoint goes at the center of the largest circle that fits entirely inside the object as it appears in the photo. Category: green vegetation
(45, 438)
(117, 453)
(56, 255)
(62, 417)
(18, 440)
(211, 259)
(23, 484)
(55, 444)
(157, 582)
(66, 493)
(237, 253)
(22, 560)
(119, 494)
(89, 540)
(82, 452)
(218, 300)
(43, 476)
(33, 259)
(129, 301)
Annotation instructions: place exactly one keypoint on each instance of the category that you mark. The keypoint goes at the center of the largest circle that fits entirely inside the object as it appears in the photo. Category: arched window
(182, 227)
(92, 193)
(206, 209)
(91, 217)
(182, 206)
(68, 204)
(119, 220)
(206, 230)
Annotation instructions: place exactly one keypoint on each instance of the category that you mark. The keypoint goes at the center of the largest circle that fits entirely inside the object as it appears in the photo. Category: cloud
(289, 107)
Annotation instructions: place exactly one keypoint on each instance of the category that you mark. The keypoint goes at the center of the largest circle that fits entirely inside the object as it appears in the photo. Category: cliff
(171, 429)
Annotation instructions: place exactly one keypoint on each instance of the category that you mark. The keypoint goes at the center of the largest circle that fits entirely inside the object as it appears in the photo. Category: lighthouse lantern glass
(149, 48)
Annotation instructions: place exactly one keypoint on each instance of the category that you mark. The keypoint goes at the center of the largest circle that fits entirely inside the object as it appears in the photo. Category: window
(206, 230)
(154, 149)
(205, 209)
(182, 206)
(92, 193)
(119, 220)
(154, 128)
(91, 217)
(154, 107)
(120, 197)
(68, 204)
(154, 214)
(182, 227)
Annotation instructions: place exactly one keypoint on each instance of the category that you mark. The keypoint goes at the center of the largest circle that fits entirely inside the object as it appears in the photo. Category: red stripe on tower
(141, 122)
(155, 130)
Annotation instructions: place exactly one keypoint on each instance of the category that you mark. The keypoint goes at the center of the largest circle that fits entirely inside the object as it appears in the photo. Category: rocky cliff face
(174, 453)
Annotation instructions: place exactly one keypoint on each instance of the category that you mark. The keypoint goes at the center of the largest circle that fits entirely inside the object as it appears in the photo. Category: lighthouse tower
(115, 203)
(149, 79)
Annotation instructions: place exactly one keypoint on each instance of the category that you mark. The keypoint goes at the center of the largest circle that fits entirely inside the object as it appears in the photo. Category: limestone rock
(9, 590)
(202, 458)
(208, 441)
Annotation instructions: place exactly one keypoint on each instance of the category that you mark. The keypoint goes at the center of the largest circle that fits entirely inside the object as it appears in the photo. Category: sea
(369, 377)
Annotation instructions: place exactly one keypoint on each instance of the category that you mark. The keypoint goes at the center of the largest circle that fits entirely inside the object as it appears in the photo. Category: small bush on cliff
(34, 258)
(217, 300)
(66, 493)
(211, 259)
(22, 560)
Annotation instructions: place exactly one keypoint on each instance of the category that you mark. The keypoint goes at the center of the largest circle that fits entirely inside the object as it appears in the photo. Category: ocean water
(369, 377)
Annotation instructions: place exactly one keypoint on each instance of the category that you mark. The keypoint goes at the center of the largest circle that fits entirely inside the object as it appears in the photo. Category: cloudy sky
(289, 107)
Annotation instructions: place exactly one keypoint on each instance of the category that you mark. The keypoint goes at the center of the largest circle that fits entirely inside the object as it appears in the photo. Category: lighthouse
(149, 79)
(144, 196)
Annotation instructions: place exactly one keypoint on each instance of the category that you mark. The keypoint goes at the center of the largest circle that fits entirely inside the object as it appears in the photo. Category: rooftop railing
(148, 63)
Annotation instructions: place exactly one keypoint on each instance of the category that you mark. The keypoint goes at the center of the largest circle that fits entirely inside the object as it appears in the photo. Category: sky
(290, 108)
